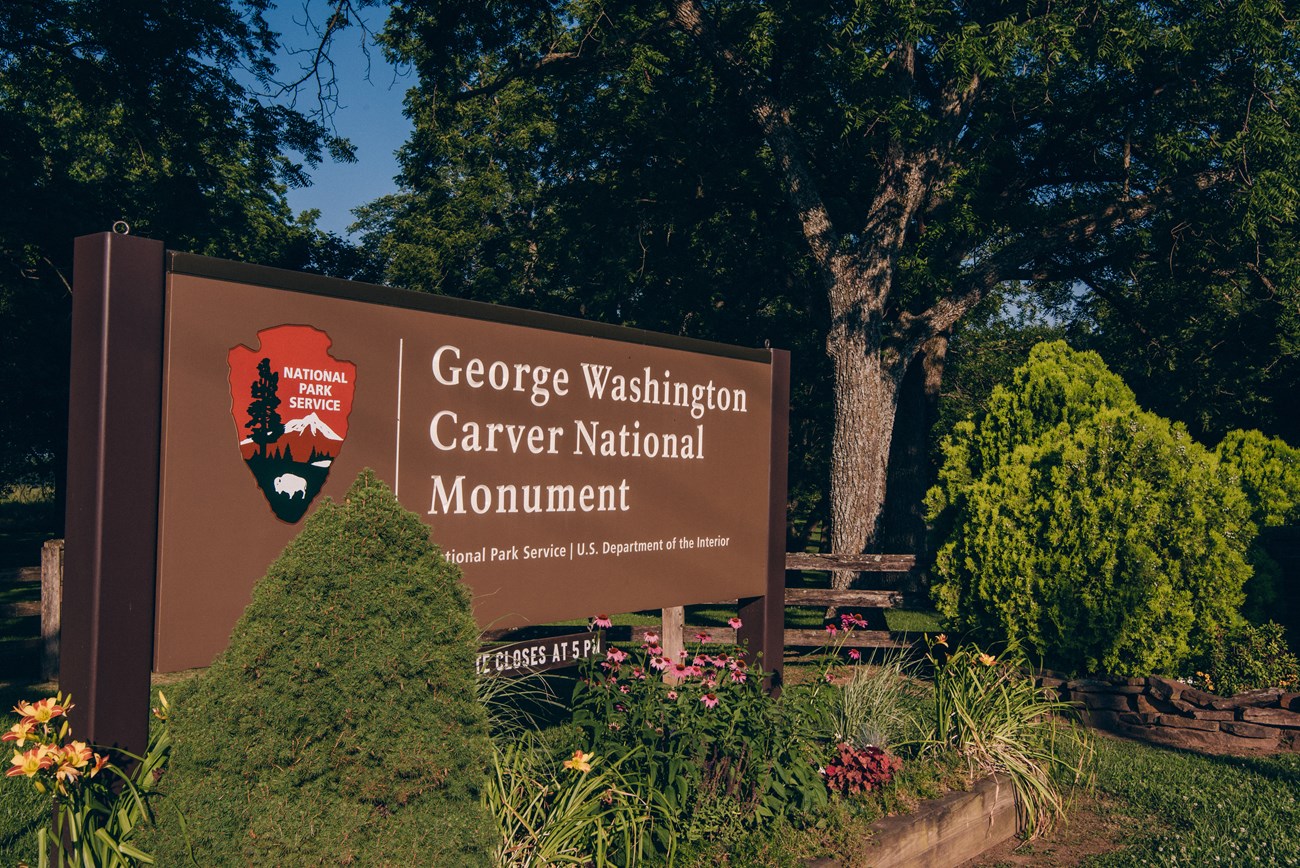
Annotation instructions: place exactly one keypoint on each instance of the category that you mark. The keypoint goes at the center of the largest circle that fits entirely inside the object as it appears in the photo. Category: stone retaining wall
(1167, 712)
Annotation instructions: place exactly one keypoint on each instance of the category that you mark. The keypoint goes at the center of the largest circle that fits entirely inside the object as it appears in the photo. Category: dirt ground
(1093, 827)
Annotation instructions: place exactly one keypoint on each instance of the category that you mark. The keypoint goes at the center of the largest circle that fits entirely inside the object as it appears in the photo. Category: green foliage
(580, 812)
(96, 807)
(990, 712)
(143, 112)
(340, 726)
(724, 756)
(1268, 470)
(1095, 535)
(23, 813)
(1176, 807)
(1249, 658)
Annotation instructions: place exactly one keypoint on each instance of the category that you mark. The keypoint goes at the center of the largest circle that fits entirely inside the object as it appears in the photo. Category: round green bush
(1099, 537)
(341, 726)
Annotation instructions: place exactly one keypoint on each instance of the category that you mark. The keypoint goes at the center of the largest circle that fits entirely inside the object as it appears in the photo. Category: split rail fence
(673, 629)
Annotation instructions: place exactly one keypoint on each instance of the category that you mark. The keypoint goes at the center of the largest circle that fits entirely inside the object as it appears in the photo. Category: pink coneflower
(680, 670)
(701, 637)
(710, 700)
(638, 673)
(848, 622)
(832, 629)
(701, 660)
(735, 623)
(652, 638)
(617, 655)
(738, 676)
(659, 664)
(829, 678)
(622, 688)
(602, 621)
(693, 672)
(655, 651)
(672, 694)
(709, 683)
(855, 654)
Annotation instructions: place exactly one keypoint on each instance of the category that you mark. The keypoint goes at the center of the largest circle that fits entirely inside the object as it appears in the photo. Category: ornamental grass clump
(577, 812)
(872, 707)
(340, 726)
(990, 712)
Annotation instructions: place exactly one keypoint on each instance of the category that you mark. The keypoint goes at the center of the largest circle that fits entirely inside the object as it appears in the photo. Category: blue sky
(369, 114)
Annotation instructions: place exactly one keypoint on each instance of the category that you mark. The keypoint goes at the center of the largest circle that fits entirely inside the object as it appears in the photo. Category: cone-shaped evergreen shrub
(1099, 537)
(341, 726)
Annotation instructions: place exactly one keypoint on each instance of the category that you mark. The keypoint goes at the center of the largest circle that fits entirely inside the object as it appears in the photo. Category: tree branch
(774, 121)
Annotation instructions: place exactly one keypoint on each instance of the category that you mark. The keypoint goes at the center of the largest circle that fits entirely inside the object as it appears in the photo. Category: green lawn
(1187, 809)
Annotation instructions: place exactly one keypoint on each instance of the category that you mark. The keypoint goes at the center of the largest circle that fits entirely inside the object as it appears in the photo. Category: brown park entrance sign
(570, 468)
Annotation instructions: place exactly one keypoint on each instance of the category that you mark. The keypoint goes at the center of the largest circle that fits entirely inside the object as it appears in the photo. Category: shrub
(1095, 535)
(1268, 471)
(340, 726)
(1250, 658)
(857, 770)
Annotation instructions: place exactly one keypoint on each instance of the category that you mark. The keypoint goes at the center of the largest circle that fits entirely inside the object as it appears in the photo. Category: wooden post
(763, 618)
(672, 635)
(51, 606)
(114, 425)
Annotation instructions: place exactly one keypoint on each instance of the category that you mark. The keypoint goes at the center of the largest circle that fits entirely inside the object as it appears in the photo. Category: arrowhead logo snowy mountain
(290, 400)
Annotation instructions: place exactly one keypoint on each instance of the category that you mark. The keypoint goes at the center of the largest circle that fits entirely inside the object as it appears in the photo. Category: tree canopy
(140, 112)
(848, 175)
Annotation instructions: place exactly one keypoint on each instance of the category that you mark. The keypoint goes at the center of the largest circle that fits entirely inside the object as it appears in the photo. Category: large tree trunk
(866, 397)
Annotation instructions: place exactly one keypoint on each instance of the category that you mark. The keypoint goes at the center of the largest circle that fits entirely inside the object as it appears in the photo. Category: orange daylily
(988, 659)
(581, 762)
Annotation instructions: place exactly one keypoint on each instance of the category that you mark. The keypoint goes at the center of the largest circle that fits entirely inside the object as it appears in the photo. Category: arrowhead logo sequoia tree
(290, 400)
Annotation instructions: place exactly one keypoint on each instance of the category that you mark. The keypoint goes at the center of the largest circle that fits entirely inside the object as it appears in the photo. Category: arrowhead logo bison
(290, 400)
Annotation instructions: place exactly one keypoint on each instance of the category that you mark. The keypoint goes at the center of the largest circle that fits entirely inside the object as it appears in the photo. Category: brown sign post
(570, 468)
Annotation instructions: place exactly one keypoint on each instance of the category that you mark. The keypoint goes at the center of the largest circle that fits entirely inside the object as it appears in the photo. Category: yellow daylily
(20, 732)
(581, 762)
(30, 762)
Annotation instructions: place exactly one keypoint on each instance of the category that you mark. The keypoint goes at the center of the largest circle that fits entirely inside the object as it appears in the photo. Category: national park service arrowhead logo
(291, 400)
